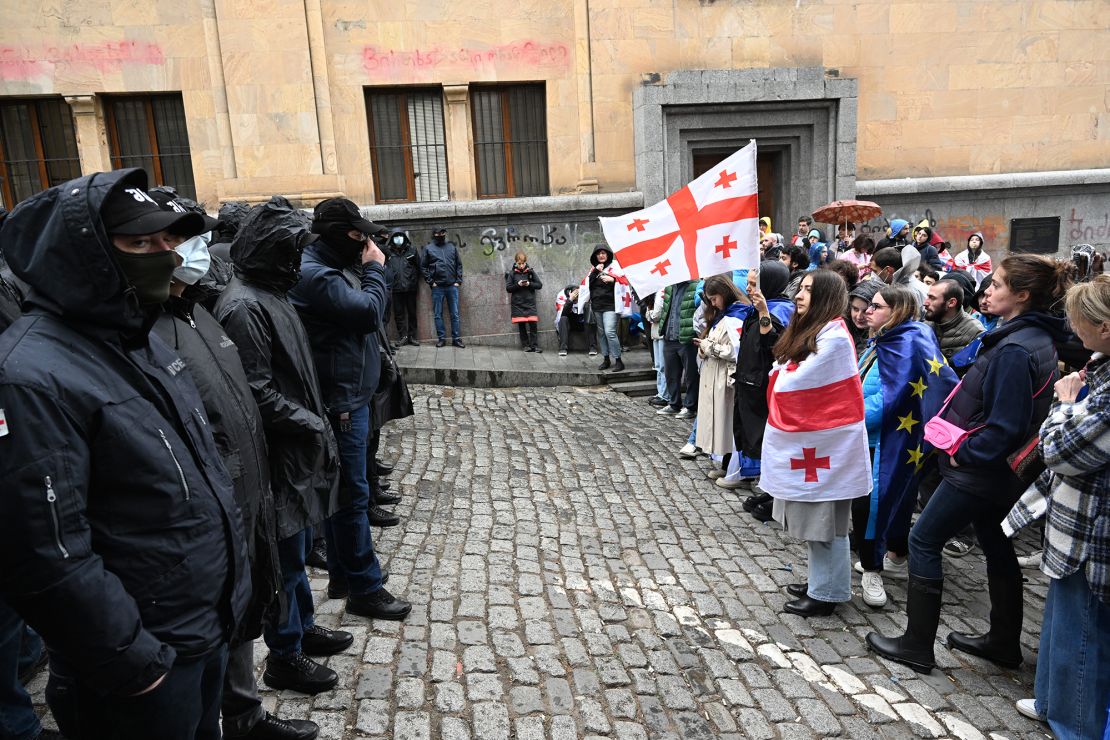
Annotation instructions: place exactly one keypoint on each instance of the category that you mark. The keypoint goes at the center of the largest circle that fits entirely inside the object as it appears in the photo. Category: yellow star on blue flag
(915, 457)
(919, 388)
(935, 365)
(906, 422)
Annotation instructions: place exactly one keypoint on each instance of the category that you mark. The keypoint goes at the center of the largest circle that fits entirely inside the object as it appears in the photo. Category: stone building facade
(518, 122)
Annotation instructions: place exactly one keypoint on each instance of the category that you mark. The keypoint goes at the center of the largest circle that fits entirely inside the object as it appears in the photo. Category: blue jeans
(607, 323)
(17, 717)
(1073, 682)
(660, 371)
(451, 293)
(351, 554)
(284, 639)
(947, 513)
(830, 570)
(693, 432)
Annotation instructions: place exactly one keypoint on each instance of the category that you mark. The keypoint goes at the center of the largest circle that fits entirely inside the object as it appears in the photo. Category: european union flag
(915, 381)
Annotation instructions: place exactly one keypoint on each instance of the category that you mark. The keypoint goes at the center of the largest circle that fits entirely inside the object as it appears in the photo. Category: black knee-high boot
(915, 647)
(1002, 643)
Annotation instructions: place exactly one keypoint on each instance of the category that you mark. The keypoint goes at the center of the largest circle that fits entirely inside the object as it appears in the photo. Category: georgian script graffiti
(520, 53)
(26, 62)
(493, 242)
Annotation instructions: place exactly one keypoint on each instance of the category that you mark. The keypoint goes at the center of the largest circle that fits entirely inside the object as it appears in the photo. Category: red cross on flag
(815, 443)
(706, 228)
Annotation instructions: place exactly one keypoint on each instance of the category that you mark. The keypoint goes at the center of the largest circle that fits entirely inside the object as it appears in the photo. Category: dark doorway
(768, 167)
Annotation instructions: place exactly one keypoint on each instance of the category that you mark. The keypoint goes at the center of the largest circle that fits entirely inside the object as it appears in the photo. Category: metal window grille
(510, 140)
(408, 144)
(38, 148)
(149, 131)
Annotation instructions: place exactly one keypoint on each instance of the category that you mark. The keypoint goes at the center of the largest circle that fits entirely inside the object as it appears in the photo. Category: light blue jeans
(830, 570)
(607, 339)
(1072, 687)
(660, 373)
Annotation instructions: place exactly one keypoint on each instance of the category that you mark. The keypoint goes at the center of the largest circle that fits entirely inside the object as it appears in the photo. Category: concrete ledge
(1004, 181)
(460, 378)
(546, 204)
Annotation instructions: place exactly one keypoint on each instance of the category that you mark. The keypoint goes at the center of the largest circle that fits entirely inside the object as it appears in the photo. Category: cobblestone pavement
(572, 578)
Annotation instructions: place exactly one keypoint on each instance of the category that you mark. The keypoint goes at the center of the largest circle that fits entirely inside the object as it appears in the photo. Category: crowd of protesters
(894, 379)
(190, 413)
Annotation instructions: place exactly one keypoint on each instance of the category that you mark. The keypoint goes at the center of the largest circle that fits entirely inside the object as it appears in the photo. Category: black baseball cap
(169, 202)
(345, 212)
(131, 211)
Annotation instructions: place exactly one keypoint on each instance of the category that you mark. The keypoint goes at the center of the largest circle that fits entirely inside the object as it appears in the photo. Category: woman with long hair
(814, 456)
(1073, 683)
(725, 309)
(901, 352)
(997, 408)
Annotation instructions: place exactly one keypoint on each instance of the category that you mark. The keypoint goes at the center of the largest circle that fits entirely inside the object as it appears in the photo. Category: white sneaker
(562, 353)
(724, 482)
(685, 414)
(689, 452)
(715, 473)
(1033, 560)
(874, 594)
(1028, 708)
(890, 567)
(666, 411)
(593, 352)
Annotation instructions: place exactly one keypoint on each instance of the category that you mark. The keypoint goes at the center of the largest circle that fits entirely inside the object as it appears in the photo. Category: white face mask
(195, 259)
(398, 240)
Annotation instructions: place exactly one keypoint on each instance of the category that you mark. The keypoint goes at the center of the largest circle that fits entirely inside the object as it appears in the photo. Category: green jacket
(685, 314)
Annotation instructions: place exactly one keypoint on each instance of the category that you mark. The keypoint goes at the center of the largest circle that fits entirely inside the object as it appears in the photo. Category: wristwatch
(764, 321)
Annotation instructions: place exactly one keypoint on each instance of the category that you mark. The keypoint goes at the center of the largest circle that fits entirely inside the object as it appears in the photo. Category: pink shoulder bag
(944, 435)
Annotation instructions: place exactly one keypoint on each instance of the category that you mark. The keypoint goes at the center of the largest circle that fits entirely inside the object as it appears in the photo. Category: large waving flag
(915, 382)
(815, 445)
(706, 228)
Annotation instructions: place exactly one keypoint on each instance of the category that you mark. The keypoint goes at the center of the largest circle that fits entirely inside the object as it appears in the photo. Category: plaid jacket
(1074, 493)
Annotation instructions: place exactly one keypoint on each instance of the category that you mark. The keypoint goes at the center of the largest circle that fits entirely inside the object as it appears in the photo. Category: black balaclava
(335, 236)
(773, 278)
(439, 236)
(148, 273)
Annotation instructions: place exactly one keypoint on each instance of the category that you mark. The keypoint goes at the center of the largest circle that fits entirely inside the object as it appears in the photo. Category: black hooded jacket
(602, 293)
(214, 365)
(402, 265)
(120, 537)
(273, 344)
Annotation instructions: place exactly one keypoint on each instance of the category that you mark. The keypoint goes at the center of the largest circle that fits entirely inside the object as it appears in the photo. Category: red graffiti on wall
(25, 62)
(527, 53)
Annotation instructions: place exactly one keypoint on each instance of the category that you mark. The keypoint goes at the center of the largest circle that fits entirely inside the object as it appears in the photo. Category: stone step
(635, 388)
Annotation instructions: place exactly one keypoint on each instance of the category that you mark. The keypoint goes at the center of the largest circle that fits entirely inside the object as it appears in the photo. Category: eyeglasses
(876, 306)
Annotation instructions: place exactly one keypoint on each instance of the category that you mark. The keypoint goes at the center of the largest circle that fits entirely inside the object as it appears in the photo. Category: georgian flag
(622, 292)
(815, 445)
(709, 227)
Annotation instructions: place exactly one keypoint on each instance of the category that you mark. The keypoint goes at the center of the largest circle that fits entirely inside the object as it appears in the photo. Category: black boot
(1002, 643)
(755, 500)
(605, 364)
(618, 365)
(798, 589)
(274, 728)
(299, 673)
(381, 468)
(809, 607)
(379, 604)
(318, 555)
(379, 517)
(317, 640)
(915, 647)
(387, 499)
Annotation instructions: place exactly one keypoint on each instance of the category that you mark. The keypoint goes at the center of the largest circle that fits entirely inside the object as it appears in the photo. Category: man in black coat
(214, 365)
(121, 540)
(402, 274)
(304, 472)
(341, 298)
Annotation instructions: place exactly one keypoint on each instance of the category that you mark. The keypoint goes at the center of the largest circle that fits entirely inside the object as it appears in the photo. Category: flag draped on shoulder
(815, 445)
(709, 227)
(915, 380)
(622, 292)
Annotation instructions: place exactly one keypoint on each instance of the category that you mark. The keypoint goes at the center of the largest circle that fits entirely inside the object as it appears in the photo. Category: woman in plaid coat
(1073, 683)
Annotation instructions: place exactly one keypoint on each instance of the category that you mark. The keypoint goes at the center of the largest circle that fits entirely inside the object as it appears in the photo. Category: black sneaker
(380, 468)
(318, 640)
(441, 342)
(403, 341)
(459, 343)
(537, 350)
(412, 342)
(299, 673)
(274, 728)
(379, 517)
(387, 499)
(379, 604)
(527, 349)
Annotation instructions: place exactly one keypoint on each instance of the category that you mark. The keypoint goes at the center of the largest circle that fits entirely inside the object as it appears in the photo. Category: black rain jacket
(214, 365)
(522, 305)
(342, 309)
(120, 538)
(304, 460)
(402, 265)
